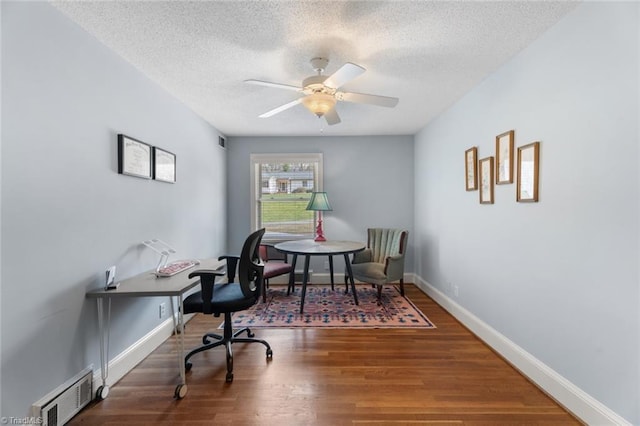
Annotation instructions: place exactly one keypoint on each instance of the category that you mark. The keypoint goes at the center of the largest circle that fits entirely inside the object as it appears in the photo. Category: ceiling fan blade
(280, 108)
(275, 85)
(332, 117)
(345, 74)
(362, 98)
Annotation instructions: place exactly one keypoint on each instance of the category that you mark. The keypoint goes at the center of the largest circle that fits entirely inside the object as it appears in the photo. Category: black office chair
(227, 298)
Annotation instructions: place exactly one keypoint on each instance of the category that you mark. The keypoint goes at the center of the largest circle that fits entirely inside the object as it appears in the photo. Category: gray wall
(369, 181)
(559, 277)
(67, 214)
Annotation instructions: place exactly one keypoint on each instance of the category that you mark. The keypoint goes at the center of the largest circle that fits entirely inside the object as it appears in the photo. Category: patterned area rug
(326, 308)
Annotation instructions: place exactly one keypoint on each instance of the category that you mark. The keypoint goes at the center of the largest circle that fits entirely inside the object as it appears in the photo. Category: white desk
(148, 285)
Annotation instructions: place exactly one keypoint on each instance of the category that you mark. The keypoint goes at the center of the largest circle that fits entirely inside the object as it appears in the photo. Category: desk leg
(173, 316)
(181, 389)
(305, 277)
(292, 275)
(331, 270)
(350, 275)
(103, 332)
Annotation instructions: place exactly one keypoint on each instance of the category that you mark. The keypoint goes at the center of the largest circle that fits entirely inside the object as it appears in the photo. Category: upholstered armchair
(272, 268)
(382, 262)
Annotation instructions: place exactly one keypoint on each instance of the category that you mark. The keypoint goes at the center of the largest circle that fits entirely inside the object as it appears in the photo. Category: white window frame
(256, 160)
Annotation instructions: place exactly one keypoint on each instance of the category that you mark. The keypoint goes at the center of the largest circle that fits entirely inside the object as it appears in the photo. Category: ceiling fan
(321, 91)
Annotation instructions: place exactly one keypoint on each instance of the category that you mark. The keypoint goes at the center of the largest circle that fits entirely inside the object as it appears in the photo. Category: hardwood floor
(333, 377)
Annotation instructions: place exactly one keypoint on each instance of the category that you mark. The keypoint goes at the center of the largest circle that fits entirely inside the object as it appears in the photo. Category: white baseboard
(574, 399)
(125, 361)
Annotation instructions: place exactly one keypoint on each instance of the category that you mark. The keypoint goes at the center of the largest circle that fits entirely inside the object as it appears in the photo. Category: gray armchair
(382, 262)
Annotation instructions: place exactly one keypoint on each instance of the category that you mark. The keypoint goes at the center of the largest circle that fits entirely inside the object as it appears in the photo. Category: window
(280, 191)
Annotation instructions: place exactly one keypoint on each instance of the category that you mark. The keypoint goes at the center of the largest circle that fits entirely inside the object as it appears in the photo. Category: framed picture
(486, 180)
(504, 157)
(164, 165)
(471, 168)
(134, 157)
(528, 167)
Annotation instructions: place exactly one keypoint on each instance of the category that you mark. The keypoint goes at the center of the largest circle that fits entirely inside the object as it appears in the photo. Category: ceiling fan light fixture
(319, 103)
(321, 92)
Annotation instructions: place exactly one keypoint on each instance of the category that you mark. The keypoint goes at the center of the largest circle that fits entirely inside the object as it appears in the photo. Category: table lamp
(320, 203)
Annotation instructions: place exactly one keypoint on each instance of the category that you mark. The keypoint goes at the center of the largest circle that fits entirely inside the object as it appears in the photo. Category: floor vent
(64, 402)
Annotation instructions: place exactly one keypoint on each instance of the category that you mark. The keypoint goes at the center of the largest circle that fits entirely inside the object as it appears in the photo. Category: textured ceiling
(426, 53)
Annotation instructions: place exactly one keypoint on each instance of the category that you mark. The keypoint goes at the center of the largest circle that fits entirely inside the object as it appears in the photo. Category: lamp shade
(319, 103)
(319, 202)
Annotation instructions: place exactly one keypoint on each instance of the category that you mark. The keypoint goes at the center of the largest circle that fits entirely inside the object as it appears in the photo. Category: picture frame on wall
(471, 168)
(528, 173)
(486, 175)
(504, 157)
(134, 157)
(164, 165)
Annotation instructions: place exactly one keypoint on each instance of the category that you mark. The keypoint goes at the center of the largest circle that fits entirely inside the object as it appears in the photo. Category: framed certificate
(134, 157)
(164, 165)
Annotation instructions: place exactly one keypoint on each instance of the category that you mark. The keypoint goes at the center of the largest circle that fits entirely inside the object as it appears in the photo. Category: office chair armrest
(232, 263)
(363, 256)
(201, 272)
(394, 267)
(207, 281)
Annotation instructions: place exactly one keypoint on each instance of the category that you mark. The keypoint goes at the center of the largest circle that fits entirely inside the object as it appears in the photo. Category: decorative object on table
(164, 165)
(165, 269)
(486, 180)
(528, 171)
(382, 262)
(229, 298)
(504, 157)
(326, 308)
(320, 203)
(471, 168)
(110, 277)
(134, 157)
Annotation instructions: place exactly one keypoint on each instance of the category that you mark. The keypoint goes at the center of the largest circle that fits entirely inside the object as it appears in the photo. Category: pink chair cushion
(275, 268)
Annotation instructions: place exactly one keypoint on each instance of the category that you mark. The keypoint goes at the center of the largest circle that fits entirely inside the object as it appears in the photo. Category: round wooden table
(308, 248)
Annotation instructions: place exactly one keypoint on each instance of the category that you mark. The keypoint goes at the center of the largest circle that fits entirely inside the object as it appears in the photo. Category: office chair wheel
(229, 377)
(181, 391)
(187, 366)
(102, 392)
(269, 354)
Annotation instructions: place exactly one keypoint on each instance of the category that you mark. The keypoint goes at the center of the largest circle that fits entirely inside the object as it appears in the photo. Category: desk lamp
(320, 203)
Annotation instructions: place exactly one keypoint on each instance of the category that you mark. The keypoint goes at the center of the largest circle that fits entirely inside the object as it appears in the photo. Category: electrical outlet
(326, 265)
(162, 310)
(455, 290)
